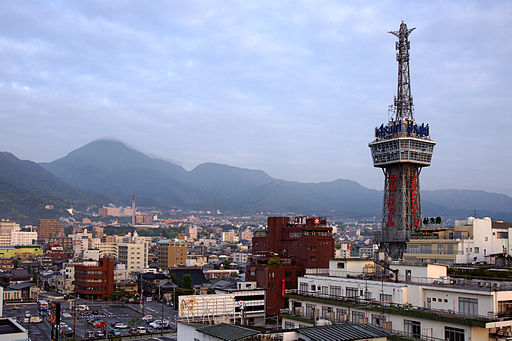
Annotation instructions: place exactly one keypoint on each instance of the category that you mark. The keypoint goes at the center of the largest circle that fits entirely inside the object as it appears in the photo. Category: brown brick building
(300, 243)
(49, 228)
(172, 253)
(96, 281)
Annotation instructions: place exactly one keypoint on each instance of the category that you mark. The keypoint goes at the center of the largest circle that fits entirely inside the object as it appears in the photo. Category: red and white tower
(401, 148)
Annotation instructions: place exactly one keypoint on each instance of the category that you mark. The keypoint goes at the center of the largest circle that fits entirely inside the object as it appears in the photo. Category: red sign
(55, 313)
(391, 199)
(316, 221)
(414, 199)
(282, 283)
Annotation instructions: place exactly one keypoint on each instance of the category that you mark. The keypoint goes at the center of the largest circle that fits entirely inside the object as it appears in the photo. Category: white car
(120, 325)
(148, 318)
(142, 330)
(157, 324)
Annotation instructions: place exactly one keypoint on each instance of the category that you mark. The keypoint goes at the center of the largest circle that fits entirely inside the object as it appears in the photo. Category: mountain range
(115, 171)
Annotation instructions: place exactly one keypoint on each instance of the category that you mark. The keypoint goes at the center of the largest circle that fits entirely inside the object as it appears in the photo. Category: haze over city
(292, 88)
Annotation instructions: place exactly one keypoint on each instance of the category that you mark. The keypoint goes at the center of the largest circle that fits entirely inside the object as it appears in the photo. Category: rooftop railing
(481, 284)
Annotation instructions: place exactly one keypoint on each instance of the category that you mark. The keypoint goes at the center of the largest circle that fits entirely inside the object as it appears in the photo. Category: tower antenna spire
(403, 101)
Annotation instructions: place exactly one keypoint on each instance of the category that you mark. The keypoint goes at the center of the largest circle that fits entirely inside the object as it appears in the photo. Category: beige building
(134, 255)
(108, 249)
(23, 238)
(172, 253)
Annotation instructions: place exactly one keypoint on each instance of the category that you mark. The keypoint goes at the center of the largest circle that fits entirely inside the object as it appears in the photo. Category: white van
(142, 330)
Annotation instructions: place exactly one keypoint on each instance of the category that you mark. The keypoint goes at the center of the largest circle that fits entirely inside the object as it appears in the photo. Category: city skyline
(294, 89)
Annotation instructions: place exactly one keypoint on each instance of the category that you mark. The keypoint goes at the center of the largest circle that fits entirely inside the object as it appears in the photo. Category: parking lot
(110, 312)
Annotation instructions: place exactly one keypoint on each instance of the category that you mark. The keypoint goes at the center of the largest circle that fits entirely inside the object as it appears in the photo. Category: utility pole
(162, 315)
(74, 317)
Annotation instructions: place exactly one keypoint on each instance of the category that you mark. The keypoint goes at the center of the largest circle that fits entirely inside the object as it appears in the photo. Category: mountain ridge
(116, 171)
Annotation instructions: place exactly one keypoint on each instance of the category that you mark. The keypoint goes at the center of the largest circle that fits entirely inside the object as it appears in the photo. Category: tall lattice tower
(401, 148)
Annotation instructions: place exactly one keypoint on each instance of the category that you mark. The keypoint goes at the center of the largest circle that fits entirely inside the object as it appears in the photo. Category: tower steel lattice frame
(401, 148)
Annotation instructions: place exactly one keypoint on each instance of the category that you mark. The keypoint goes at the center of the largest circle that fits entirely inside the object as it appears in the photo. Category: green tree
(432, 220)
(425, 221)
(438, 220)
(226, 264)
(274, 261)
(186, 281)
(233, 274)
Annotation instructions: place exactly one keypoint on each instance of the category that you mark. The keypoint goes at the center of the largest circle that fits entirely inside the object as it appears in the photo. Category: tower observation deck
(401, 148)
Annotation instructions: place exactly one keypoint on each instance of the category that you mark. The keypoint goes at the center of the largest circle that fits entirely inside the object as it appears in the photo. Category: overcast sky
(294, 88)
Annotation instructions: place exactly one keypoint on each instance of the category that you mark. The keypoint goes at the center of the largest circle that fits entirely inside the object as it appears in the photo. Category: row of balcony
(400, 309)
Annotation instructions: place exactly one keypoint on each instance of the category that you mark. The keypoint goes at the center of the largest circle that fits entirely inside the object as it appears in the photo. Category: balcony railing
(482, 284)
(393, 308)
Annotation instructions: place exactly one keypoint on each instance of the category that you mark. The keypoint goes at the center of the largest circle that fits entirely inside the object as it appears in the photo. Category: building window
(378, 320)
(340, 314)
(468, 306)
(310, 310)
(325, 310)
(440, 249)
(341, 265)
(477, 249)
(453, 334)
(412, 328)
(368, 295)
(426, 248)
(325, 290)
(384, 298)
(352, 292)
(358, 317)
(449, 249)
(335, 291)
(413, 249)
(303, 288)
(289, 325)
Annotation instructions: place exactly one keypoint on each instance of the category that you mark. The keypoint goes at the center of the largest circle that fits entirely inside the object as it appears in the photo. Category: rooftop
(228, 332)
(343, 332)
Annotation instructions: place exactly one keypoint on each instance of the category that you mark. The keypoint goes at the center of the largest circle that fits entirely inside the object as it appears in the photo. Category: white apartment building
(230, 237)
(469, 241)
(23, 238)
(419, 301)
(240, 257)
(134, 255)
(108, 250)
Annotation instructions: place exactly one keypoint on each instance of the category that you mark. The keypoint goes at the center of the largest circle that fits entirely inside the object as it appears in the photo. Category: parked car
(115, 332)
(148, 318)
(119, 325)
(89, 334)
(92, 320)
(142, 330)
(27, 314)
(82, 307)
(157, 324)
(95, 312)
(67, 331)
(36, 319)
(133, 331)
(99, 333)
(100, 324)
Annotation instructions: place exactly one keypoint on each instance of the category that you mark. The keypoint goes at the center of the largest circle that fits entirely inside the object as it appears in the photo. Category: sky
(294, 88)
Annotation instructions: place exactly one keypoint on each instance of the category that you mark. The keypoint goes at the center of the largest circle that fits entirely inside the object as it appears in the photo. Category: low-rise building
(418, 301)
(468, 241)
(95, 281)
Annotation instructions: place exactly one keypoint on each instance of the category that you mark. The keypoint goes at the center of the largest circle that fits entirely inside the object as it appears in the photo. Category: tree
(233, 274)
(186, 281)
(438, 220)
(226, 264)
(425, 221)
(432, 220)
(274, 261)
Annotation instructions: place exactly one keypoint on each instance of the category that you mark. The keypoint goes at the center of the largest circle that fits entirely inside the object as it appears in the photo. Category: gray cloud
(294, 87)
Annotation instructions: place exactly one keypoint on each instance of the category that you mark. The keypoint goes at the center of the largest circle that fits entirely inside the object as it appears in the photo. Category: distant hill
(116, 171)
(26, 188)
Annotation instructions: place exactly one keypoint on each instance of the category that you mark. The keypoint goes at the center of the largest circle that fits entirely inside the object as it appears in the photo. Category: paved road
(110, 312)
